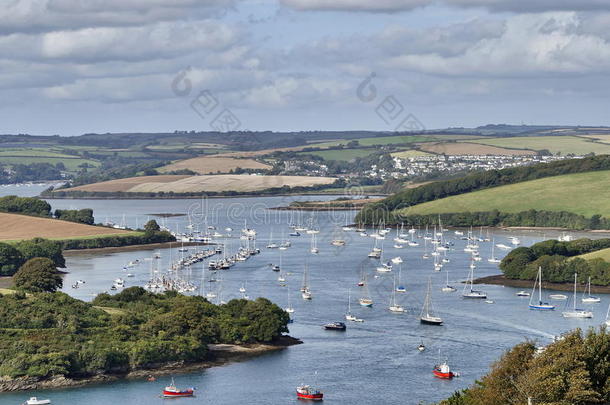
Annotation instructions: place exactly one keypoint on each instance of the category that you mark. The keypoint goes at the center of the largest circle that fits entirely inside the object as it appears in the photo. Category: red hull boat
(172, 392)
(307, 392)
(443, 371)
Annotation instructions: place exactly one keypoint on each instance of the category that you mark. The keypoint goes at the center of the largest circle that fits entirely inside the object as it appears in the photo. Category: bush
(10, 259)
(25, 205)
(558, 262)
(38, 275)
(83, 216)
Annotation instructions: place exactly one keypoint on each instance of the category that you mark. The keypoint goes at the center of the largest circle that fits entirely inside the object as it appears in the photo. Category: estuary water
(374, 362)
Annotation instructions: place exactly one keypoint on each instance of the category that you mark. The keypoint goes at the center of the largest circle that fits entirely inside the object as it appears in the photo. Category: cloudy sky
(71, 66)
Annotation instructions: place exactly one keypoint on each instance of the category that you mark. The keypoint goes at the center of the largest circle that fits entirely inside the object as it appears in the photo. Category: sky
(69, 67)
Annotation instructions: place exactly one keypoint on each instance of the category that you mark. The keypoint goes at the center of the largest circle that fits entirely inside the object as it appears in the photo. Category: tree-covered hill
(51, 334)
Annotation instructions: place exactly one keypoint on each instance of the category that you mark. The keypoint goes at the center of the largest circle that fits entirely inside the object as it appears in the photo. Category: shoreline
(129, 248)
(323, 208)
(218, 355)
(499, 279)
(192, 197)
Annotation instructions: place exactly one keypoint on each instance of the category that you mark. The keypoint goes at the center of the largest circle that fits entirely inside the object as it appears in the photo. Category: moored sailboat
(575, 312)
(427, 316)
(540, 306)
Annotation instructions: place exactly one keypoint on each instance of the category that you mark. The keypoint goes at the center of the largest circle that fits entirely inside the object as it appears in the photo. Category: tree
(40, 247)
(10, 259)
(38, 275)
(152, 226)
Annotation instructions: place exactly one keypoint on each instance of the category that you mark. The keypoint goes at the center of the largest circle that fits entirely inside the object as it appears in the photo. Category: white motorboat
(36, 401)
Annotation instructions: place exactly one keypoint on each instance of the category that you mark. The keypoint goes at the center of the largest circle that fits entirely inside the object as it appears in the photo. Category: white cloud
(391, 6)
(48, 15)
(531, 44)
(355, 5)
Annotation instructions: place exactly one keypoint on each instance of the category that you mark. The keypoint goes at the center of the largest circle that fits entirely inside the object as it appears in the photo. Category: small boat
(522, 293)
(590, 299)
(558, 297)
(400, 287)
(349, 316)
(575, 312)
(394, 307)
(397, 260)
(447, 287)
(469, 292)
(340, 326)
(338, 242)
(489, 301)
(540, 306)
(427, 317)
(305, 290)
(421, 347)
(308, 392)
(365, 300)
(172, 392)
(443, 371)
(36, 401)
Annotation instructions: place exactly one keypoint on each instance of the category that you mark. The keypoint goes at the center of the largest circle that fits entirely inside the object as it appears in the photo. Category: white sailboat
(607, 321)
(394, 307)
(575, 312)
(540, 306)
(469, 291)
(305, 289)
(493, 258)
(349, 316)
(314, 247)
(365, 300)
(272, 244)
(447, 287)
(427, 315)
(590, 299)
(400, 288)
(289, 308)
(384, 267)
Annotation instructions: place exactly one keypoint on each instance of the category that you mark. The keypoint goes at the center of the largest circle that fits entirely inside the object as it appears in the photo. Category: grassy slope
(581, 193)
(555, 144)
(341, 154)
(604, 254)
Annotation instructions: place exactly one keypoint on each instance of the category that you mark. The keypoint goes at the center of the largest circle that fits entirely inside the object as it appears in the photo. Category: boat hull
(311, 397)
(542, 307)
(427, 321)
(441, 375)
(181, 394)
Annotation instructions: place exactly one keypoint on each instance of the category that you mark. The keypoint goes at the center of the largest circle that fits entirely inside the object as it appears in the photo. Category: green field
(581, 193)
(71, 163)
(23, 152)
(410, 153)
(603, 254)
(341, 154)
(555, 144)
(394, 140)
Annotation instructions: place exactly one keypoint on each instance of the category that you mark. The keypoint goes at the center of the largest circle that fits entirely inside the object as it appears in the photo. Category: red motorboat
(172, 392)
(308, 392)
(443, 371)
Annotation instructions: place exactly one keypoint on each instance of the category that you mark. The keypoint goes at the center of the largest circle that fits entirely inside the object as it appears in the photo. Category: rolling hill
(18, 227)
(585, 194)
(199, 184)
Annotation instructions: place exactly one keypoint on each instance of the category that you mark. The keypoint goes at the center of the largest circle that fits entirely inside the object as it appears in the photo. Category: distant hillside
(586, 194)
(571, 193)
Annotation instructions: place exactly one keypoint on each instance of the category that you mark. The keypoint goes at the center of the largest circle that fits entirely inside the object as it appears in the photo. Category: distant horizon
(397, 133)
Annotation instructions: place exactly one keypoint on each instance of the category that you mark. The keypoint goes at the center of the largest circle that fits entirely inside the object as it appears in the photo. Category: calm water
(375, 362)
